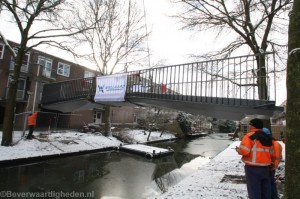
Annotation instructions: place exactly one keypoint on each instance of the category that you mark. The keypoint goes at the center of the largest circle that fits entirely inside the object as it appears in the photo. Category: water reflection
(161, 184)
(208, 146)
(113, 175)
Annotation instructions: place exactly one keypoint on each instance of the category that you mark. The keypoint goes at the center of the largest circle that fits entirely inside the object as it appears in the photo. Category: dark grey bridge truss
(225, 88)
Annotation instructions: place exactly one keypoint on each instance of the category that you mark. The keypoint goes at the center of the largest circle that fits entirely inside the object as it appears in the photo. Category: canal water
(111, 175)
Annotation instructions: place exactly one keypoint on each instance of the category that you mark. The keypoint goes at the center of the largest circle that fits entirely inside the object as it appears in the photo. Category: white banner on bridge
(111, 88)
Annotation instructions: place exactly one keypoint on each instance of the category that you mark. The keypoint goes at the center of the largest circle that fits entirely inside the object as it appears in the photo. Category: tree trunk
(107, 119)
(9, 114)
(293, 108)
(148, 137)
(261, 77)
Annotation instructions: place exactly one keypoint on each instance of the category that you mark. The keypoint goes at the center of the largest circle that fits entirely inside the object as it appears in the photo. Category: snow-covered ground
(221, 177)
(68, 142)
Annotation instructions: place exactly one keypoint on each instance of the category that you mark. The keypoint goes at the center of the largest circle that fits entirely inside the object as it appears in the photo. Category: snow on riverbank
(68, 142)
(221, 178)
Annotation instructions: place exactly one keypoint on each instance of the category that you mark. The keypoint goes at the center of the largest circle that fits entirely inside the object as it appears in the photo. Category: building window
(20, 89)
(97, 117)
(88, 74)
(1, 51)
(25, 61)
(47, 66)
(63, 69)
(26, 57)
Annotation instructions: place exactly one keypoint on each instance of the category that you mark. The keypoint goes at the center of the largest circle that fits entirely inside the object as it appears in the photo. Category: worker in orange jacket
(257, 151)
(31, 120)
(276, 159)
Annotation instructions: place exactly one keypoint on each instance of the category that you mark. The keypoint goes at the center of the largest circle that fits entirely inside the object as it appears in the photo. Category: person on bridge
(31, 120)
(256, 150)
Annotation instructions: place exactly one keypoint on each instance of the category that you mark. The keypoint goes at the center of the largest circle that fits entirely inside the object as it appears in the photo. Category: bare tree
(119, 35)
(293, 106)
(152, 120)
(38, 22)
(252, 21)
(116, 42)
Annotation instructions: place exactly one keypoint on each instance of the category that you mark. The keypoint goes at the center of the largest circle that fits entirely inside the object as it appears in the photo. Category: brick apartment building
(40, 68)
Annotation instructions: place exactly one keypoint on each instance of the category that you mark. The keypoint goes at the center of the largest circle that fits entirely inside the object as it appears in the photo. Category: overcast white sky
(167, 42)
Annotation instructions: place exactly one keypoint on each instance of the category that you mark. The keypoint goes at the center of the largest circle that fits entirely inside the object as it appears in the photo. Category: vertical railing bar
(171, 85)
(64, 88)
(74, 89)
(269, 79)
(253, 98)
(206, 80)
(187, 83)
(144, 83)
(80, 87)
(234, 79)
(177, 72)
(274, 77)
(201, 88)
(156, 82)
(182, 82)
(211, 82)
(247, 82)
(223, 91)
(177, 84)
(150, 80)
(192, 75)
(160, 79)
(167, 81)
(240, 81)
(196, 85)
(217, 79)
(228, 88)
(174, 82)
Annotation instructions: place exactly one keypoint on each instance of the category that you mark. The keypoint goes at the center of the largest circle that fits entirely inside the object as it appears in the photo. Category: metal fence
(235, 77)
(46, 122)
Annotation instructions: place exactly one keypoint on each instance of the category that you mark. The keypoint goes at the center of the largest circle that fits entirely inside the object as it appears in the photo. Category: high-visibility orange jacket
(253, 152)
(277, 156)
(32, 119)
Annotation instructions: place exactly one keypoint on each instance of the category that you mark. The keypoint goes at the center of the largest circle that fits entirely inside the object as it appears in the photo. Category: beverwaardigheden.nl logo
(110, 88)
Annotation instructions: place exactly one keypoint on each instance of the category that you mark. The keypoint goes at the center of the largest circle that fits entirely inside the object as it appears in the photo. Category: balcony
(48, 73)
(21, 94)
(24, 68)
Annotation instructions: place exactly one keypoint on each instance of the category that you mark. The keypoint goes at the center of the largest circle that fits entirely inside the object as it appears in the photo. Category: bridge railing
(207, 81)
(83, 88)
(235, 77)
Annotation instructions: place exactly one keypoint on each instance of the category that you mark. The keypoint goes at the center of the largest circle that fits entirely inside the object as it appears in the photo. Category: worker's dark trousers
(29, 136)
(258, 182)
(274, 191)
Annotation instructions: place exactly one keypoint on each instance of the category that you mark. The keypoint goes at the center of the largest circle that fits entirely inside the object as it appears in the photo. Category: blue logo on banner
(102, 88)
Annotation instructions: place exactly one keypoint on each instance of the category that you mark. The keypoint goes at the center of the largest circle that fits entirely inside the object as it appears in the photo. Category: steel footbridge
(226, 88)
